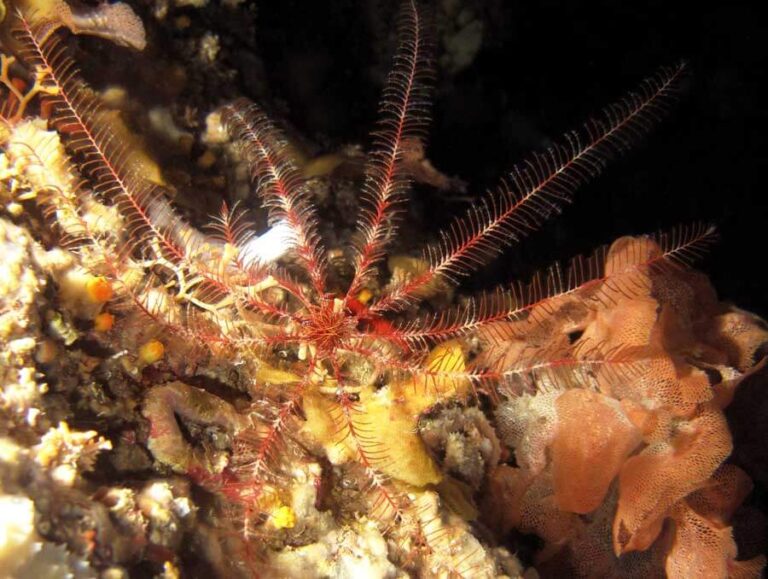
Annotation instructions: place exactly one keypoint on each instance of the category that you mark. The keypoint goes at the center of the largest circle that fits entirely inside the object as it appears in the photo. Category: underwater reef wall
(288, 389)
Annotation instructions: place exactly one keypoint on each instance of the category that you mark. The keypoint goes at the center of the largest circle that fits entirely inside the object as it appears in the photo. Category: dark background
(543, 68)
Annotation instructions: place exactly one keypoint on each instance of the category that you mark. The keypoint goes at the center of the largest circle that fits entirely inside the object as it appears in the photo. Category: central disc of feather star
(327, 326)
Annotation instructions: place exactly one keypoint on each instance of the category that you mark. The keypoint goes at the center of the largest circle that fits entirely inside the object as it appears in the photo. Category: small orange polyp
(151, 351)
(99, 289)
(103, 322)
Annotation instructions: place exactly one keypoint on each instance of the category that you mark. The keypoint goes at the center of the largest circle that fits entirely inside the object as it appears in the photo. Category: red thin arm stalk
(281, 339)
(90, 133)
(404, 115)
(243, 483)
(259, 457)
(544, 367)
(109, 163)
(278, 182)
(438, 380)
(350, 425)
(234, 229)
(678, 248)
(115, 266)
(218, 282)
(537, 189)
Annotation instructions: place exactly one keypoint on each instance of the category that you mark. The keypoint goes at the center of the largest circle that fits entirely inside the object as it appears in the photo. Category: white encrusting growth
(269, 246)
